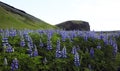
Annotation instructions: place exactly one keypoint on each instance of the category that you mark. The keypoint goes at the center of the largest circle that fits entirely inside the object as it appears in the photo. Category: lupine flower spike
(58, 45)
(64, 52)
(35, 53)
(76, 59)
(22, 43)
(14, 64)
(92, 52)
(74, 50)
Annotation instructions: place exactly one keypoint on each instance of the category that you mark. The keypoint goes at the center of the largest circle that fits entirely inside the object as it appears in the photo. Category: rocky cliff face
(74, 25)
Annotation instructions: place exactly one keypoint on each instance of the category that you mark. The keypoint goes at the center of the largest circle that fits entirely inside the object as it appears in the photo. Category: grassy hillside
(9, 19)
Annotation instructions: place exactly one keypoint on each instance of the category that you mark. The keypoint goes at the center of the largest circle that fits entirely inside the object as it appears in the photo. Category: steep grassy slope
(11, 19)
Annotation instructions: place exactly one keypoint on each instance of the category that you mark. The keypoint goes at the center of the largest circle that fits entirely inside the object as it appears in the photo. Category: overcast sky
(101, 14)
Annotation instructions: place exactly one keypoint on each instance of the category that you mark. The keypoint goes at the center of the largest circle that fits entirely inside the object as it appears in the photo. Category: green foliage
(103, 59)
(14, 41)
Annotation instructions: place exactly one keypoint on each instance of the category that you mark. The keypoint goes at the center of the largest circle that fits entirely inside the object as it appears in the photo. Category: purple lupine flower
(63, 35)
(72, 35)
(28, 38)
(58, 45)
(98, 47)
(30, 45)
(12, 33)
(76, 59)
(14, 64)
(64, 53)
(41, 44)
(75, 34)
(49, 46)
(31, 55)
(9, 49)
(92, 34)
(5, 62)
(86, 37)
(111, 42)
(49, 34)
(74, 50)
(6, 33)
(92, 52)
(29, 51)
(22, 43)
(25, 33)
(106, 41)
(5, 40)
(115, 49)
(35, 53)
(58, 54)
(101, 35)
(40, 32)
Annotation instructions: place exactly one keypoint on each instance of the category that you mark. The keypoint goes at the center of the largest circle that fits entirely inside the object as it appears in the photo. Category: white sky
(101, 14)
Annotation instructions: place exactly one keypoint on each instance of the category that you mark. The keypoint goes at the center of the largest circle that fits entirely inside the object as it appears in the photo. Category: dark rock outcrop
(74, 25)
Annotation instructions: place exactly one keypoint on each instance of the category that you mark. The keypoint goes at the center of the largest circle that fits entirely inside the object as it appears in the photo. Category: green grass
(12, 20)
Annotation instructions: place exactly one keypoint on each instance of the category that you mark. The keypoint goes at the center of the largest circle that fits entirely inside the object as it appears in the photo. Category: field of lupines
(59, 50)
